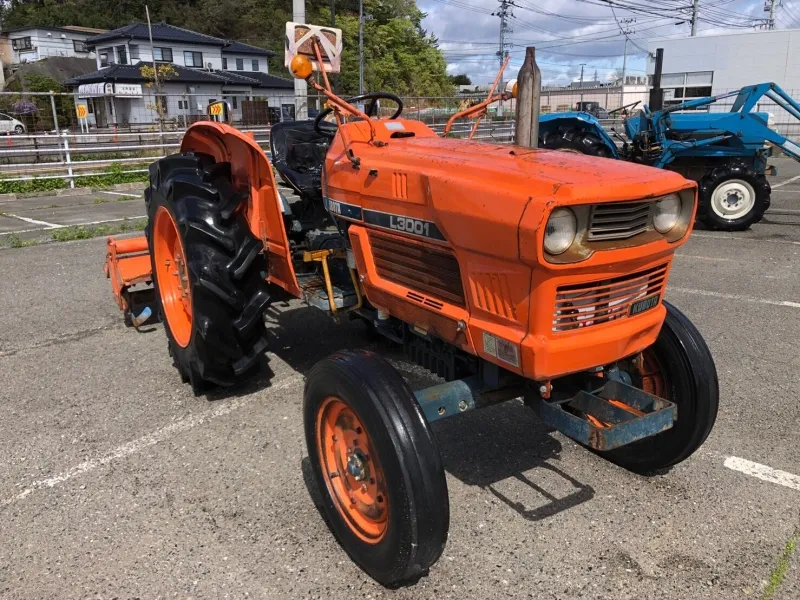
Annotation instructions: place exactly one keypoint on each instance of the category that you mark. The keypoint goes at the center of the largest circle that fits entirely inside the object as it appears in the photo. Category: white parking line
(714, 258)
(74, 225)
(159, 435)
(120, 194)
(763, 472)
(736, 297)
(788, 181)
(32, 221)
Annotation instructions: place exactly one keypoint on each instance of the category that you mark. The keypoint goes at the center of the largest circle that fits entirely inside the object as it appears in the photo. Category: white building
(28, 44)
(700, 66)
(202, 69)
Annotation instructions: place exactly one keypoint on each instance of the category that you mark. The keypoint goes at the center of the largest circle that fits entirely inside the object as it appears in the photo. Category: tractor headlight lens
(667, 213)
(562, 226)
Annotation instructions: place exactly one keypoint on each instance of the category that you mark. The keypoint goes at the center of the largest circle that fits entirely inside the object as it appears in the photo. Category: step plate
(612, 416)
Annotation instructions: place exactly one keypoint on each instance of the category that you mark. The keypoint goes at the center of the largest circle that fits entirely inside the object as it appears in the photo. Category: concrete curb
(79, 191)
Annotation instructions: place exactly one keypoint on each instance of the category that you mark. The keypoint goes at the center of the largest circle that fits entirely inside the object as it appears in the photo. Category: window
(193, 59)
(133, 51)
(79, 46)
(22, 44)
(122, 55)
(162, 54)
(240, 64)
(103, 53)
(224, 64)
(680, 87)
(287, 112)
(255, 64)
(232, 101)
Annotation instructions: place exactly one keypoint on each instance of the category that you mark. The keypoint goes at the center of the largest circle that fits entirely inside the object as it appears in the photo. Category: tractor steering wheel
(329, 129)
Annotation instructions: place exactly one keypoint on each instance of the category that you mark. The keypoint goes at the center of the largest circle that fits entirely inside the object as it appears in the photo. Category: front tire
(732, 198)
(207, 271)
(19, 129)
(376, 464)
(678, 367)
(575, 139)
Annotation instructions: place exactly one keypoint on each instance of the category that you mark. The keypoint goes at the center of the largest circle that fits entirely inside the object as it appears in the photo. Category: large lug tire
(678, 367)
(575, 139)
(732, 198)
(391, 513)
(208, 271)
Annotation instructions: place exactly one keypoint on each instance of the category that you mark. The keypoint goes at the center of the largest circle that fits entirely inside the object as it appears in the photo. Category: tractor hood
(574, 178)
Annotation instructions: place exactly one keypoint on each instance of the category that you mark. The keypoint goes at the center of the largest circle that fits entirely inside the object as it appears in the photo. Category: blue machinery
(659, 138)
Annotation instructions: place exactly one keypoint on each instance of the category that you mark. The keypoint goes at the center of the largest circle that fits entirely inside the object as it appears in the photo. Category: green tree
(460, 79)
(401, 57)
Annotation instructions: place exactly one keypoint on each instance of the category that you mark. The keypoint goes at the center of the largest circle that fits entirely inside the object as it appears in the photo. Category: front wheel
(376, 464)
(19, 129)
(732, 198)
(679, 368)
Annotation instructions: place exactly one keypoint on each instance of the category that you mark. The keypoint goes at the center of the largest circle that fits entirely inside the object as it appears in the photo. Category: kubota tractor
(510, 272)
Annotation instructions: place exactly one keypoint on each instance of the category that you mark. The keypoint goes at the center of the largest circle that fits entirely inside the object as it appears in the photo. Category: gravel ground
(116, 482)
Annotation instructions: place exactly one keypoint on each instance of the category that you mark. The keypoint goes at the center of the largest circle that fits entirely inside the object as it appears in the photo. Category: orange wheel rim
(172, 275)
(354, 477)
(654, 381)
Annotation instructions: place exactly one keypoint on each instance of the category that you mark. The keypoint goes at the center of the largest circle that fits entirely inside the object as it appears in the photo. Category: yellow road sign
(81, 110)
(216, 109)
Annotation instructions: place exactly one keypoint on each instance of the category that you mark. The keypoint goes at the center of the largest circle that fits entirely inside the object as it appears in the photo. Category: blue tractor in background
(724, 152)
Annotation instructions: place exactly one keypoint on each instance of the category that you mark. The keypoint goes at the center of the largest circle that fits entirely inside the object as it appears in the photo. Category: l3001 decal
(384, 220)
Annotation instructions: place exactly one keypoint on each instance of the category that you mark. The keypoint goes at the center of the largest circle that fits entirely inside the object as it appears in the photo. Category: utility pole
(771, 21)
(626, 31)
(581, 105)
(360, 47)
(504, 13)
(300, 86)
(695, 10)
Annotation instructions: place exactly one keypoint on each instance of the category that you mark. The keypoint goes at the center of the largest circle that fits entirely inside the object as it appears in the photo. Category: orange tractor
(510, 272)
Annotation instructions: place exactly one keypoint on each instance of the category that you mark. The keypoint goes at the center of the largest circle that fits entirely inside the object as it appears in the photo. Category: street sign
(81, 110)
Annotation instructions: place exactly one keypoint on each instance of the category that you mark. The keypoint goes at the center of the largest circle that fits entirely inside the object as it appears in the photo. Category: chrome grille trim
(619, 220)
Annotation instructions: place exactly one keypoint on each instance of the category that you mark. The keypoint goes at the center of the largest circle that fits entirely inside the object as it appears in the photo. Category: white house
(700, 66)
(28, 44)
(203, 69)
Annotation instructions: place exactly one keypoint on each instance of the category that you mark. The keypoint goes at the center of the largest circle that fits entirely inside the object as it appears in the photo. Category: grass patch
(779, 572)
(85, 232)
(12, 240)
(100, 200)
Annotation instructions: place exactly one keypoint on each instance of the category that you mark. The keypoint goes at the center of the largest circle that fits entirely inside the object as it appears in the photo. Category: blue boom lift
(725, 152)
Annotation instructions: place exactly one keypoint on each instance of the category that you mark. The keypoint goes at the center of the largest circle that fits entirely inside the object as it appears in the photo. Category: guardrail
(72, 156)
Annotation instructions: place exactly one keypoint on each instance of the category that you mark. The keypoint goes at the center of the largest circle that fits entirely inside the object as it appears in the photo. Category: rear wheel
(679, 368)
(377, 466)
(207, 271)
(732, 198)
(575, 139)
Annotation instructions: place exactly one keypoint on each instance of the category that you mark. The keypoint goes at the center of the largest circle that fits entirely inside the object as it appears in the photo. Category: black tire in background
(575, 139)
(19, 129)
(691, 383)
(225, 266)
(418, 504)
(742, 180)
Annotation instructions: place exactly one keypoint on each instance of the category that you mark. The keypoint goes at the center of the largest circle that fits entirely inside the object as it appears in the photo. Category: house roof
(164, 32)
(239, 48)
(66, 28)
(132, 74)
(267, 80)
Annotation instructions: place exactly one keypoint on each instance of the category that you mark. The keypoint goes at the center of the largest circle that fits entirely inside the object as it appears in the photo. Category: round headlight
(562, 227)
(667, 213)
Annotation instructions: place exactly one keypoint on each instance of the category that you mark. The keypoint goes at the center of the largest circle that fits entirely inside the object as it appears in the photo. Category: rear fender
(252, 172)
(552, 121)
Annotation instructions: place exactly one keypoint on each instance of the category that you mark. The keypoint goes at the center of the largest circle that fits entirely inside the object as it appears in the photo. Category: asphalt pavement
(116, 482)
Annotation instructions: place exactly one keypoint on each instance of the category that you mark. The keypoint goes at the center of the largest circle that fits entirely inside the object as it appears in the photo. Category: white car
(10, 124)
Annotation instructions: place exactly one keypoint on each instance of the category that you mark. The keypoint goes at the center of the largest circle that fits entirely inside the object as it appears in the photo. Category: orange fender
(252, 172)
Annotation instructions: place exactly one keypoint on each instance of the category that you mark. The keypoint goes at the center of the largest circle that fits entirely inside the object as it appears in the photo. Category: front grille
(596, 302)
(428, 269)
(619, 220)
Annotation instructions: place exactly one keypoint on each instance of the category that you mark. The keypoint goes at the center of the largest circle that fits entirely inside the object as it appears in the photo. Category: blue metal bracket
(613, 416)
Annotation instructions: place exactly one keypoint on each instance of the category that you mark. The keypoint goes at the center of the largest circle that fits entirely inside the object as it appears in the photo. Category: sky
(567, 33)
